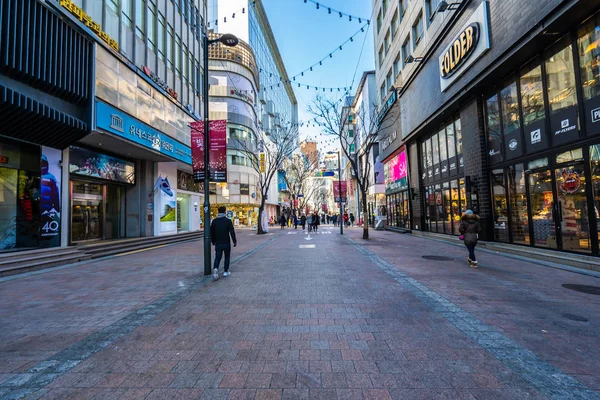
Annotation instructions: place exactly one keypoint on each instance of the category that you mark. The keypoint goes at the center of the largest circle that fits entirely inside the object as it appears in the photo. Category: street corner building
(509, 126)
(96, 99)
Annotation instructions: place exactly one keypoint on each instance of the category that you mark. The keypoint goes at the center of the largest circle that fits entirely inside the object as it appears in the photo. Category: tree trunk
(259, 227)
(365, 216)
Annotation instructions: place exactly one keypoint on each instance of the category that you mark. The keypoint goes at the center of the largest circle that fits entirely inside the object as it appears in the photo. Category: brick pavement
(334, 321)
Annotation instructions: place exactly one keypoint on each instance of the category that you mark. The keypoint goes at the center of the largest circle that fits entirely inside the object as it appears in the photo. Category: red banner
(336, 191)
(218, 150)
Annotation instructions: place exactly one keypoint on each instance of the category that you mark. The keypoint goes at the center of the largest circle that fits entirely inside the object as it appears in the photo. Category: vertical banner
(197, 142)
(217, 164)
(168, 204)
(263, 163)
(336, 191)
(50, 197)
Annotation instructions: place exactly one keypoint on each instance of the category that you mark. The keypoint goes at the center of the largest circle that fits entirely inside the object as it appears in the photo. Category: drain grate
(583, 288)
(574, 317)
(438, 258)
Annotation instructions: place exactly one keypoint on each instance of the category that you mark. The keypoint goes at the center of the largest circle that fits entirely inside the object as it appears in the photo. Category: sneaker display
(226, 273)
(215, 274)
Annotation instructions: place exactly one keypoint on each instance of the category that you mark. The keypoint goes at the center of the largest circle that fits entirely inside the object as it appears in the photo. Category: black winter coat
(221, 228)
(470, 227)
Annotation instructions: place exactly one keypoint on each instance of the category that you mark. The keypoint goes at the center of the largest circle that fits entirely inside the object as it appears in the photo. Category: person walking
(295, 221)
(309, 221)
(282, 221)
(346, 218)
(316, 222)
(303, 221)
(221, 229)
(352, 218)
(469, 229)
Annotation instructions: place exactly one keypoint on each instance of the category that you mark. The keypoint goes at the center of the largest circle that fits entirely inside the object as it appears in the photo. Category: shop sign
(592, 107)
(386, 107)
(570, 183)
(89, 22)
(117, 122)
(337, 185)
(245, 189)
(241, 94)
(563, 126)
(262, 162)
(470, 44)
(162, 84)
(388, 140)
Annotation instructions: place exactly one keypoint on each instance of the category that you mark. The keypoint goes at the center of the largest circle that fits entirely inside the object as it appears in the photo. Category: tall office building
(274, 105)
(93, 115)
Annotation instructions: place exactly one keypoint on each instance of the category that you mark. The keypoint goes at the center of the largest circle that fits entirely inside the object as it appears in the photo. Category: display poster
(50, 184)
(86, 162)
(245, 189)
(168, 202)
(377, 166)
(336, 191)
(217, 164)
(396, 173)
(281, 185)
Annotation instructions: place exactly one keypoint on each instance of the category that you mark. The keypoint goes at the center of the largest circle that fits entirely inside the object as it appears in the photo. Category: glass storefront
(545, 179)
(396, 189)
(183, 212)
(399, 210)
(444, 205)
(240, 214)
(99, 184)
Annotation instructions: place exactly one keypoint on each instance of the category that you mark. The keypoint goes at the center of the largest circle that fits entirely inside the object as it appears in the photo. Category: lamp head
(229, 39)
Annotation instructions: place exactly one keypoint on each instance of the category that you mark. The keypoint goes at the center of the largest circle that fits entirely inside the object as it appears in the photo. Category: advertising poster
(168, 202)
(336, 191)
(281, 185)
(377, 166)
(218, 150)
(395, 173)
(50, 196)
(90, 163)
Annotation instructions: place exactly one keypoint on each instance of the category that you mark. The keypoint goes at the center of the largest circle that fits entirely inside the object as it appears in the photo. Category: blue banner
(281, 185)
(121, 124)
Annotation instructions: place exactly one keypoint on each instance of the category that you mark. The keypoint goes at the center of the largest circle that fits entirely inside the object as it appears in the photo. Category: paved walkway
(327, 318)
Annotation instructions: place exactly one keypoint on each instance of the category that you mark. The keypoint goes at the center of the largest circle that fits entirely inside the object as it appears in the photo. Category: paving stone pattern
(343, 320)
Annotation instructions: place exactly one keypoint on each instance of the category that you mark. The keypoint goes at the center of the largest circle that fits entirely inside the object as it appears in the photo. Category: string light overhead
(341, 13)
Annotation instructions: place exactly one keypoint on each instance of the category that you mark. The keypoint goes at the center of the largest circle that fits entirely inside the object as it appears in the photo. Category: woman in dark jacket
(469, 229)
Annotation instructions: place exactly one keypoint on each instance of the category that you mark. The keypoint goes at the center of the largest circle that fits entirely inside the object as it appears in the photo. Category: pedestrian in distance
(283, 221)
(303, 221)
(346, 218)
(309, 222)
(316, 222)
(221, 230)
(352, 218)
(469, 230)
(295, 221)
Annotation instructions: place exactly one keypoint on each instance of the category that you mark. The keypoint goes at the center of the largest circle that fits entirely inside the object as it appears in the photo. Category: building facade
(124, 84)
(508, 126)
(275, 107)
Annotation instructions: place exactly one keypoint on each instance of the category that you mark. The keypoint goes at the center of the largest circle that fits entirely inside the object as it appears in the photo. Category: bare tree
(267, 156)
(297, 177)
(337, 119)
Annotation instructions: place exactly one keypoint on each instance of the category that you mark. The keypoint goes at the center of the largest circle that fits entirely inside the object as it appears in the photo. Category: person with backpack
(221, 229)
(469, 233)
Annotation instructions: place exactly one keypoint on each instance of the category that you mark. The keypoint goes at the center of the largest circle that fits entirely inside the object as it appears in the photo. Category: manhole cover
(574, 317)
(438, 258)
(583, 288)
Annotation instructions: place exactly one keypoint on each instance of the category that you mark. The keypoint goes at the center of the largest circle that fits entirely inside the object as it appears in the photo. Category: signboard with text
(336, 191)
(217, 165)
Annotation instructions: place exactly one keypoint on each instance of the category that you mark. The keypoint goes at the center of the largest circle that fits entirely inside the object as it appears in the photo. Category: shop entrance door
(542, 209)
(571, 211)
(87, 217)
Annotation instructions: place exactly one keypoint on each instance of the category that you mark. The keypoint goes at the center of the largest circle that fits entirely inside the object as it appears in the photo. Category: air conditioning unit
(266, 123)
(270, 108)
(261, 97)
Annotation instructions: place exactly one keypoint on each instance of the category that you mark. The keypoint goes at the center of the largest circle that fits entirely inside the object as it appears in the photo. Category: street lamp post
(340, 191)
(228, 40)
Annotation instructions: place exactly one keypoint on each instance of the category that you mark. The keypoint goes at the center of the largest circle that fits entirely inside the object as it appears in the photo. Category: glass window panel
(519, 223)
(595, 167)
(493, 117)
(458, 130)
(560, 75)
(429, 155)
(450, 140)
(539, 163)
(588, 45)
(435, 149)
(570, 155)
(500, 206)
(424, 155)
(532, 95)
(542, 201)
(447, 208)
(140, 17)
(127, 10)
(456, 210)
(443, 149)
(437, 215)
(152, 27)
(510, 108)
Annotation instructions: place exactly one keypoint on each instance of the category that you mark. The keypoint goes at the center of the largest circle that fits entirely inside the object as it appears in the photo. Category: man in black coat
(221, 228)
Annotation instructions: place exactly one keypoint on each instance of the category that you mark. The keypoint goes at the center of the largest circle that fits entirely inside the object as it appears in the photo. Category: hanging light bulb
(340, 15)
(233, 16)
(320, 62)
(329, 10)
(243, 10)
(330, 56)
(340, 47)
(359, 21)
(317, 6)
(350, 18)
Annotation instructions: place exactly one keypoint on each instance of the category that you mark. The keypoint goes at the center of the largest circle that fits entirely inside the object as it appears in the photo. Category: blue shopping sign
(121, 124)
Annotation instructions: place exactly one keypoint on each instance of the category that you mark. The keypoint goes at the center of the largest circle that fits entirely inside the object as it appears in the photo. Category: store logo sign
(571, 181)
(536, 136)
(565, 126)
(493, 152)
(596, 115)
(116, 122)
(471, 43)
(162, 84)
(512, 145)
(564, 123)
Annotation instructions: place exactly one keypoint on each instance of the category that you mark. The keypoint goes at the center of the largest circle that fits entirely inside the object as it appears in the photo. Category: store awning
(29, 120)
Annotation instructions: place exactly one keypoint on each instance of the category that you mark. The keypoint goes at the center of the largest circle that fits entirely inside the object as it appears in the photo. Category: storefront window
(560, 74)
(542, 203)
(568, 156)
(493, 129)
(443, 149)
(435, 149)
(532, 95)
(500, 206)
(518, 204)
(458, 129)
(595, 167)
(447, 208)
(456, 209)
(510, 108)
(429, 159)
(450, 140)
(438, 215)
(588, 44)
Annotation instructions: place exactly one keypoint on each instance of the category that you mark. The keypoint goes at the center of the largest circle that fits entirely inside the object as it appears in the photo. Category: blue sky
(305, 35)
